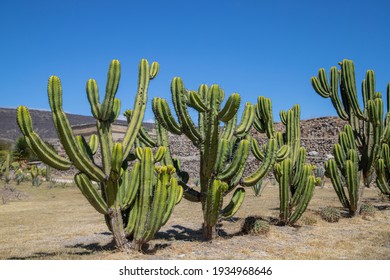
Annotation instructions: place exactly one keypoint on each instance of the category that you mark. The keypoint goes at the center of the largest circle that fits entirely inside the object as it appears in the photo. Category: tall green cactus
(118, 187)
(360, 143)
(295, 177)
(223, 152)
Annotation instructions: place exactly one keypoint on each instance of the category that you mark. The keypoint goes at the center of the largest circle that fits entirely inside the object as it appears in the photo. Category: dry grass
(59, 224)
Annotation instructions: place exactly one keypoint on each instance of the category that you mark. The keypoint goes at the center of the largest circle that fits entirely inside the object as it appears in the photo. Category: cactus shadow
(92, 247)
(178, 232)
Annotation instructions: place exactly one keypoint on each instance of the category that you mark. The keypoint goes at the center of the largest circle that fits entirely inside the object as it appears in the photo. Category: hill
(42, 122)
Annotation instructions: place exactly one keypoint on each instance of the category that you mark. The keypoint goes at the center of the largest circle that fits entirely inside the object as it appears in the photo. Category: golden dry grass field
(58, 223)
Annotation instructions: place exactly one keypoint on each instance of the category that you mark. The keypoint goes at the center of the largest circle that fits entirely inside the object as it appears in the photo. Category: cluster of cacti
(138, 189)
(223, 151)
(364, 138)
(285, 154)
(132, 202)
(330, 214)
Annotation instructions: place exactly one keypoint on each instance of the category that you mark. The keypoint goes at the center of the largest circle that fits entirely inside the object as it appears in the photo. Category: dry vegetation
(58, 223)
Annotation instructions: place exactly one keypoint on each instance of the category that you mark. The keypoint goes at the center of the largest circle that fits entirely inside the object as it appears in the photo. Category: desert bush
(330, 214)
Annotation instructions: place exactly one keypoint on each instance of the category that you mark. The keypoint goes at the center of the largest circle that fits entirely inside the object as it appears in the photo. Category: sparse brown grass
(59, 223)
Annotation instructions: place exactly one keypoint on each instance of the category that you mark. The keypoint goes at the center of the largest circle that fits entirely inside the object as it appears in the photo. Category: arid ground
(58, 223)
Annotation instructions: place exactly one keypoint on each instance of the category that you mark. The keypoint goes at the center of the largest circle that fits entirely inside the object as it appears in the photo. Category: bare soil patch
(58, 223)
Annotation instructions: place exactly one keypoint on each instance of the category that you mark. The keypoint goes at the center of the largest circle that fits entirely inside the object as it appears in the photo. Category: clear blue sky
(269, 48)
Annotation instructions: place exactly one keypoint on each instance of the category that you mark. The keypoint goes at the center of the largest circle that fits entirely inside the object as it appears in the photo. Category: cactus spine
(223, 153)
(119, 187)
(360, 143)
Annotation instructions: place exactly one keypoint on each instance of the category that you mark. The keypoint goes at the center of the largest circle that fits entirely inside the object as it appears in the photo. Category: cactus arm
(130, 186)
(160, 154)
(264, 116)
(65, 133)
(84, 147)
(381, 179)
(299, 167)
(349, 83)
(139, 107)
(174, 194)
(284, 188)
(282, 153)
(230, 109)
(157, 205)
(145, 138)
(269, 160)
(352, 181)
(301, 184)
(116, 110)
(237, 163)
(93, 197)
(132, 219)
(146, 187)
(333, 174)
(228, 129)
(113, 78)
(164, 117)
(104, 132)
(93, 143)
(93, 98)
(246, 121)
(320, 84)
(41, 149)
(235, 203)
(187, 125)
(304, 202)
(154, 69)
(195, 101)
(256, 150)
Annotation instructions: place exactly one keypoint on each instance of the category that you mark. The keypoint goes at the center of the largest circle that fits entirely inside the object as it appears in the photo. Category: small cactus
(259, 187)
(255, 226)
(330, 214)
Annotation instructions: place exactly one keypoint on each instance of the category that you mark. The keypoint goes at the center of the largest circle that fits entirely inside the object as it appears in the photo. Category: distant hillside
(42, 122)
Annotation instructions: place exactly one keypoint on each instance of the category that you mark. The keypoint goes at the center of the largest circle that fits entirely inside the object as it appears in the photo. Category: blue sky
(269, 48)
